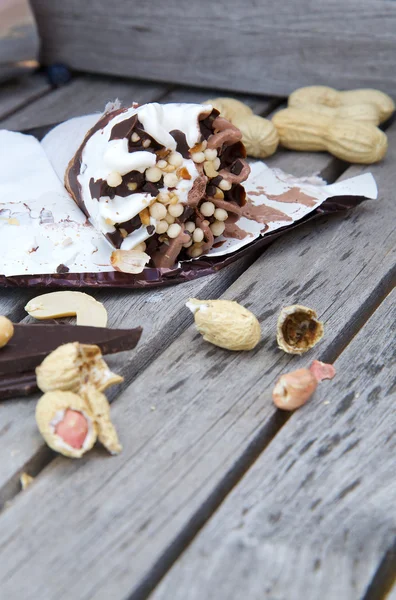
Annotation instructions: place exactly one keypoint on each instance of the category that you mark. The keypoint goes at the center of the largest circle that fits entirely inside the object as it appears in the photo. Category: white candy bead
(161, 227)
(195, 251)
(158, 211)
(210, 154)
(207, 209)
(163, 198)
(169, 219)
(188, 244)
(176, 210)
(198, 235)
(198, 157)
(162, 164)
(220, 214)
(153, 174)
(170, 180)
(114, 179)
(175, 159)
(225, 185)
(217, 228)
(189, 226)
(216, 163)
(146, 143)
(174, 230)
(135, 137)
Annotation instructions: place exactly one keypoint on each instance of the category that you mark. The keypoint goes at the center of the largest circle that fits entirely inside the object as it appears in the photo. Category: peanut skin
(294, 389)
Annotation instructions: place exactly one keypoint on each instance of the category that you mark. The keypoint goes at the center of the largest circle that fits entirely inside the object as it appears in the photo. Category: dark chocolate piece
(181, 142)
(32, 343)
(62, 269)
(20, 384)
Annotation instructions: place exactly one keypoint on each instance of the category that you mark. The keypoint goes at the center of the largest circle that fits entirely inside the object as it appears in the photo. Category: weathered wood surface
(316, 513)
(256, 47)
(19, 438)
(130, 519)
(16, 94)
(83, 95)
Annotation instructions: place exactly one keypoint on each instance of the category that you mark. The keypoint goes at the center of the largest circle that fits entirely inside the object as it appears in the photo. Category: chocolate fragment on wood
(32, 343)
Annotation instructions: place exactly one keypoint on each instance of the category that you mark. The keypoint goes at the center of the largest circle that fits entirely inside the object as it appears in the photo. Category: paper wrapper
(46, 241)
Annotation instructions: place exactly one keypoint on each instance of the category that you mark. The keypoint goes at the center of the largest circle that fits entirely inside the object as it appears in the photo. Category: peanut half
(352, 141)
(68, 304)
(6, 331)
(320, 94)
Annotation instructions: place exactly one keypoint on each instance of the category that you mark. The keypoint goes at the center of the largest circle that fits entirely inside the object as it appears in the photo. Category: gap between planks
(148, 349)
(323, 507)
(270, 429)
(337, 234)
(92, 93)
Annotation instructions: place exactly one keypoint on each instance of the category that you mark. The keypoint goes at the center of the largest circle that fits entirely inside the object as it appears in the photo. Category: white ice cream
(101, 156)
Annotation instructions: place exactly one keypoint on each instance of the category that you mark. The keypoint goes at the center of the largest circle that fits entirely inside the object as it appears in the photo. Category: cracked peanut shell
(298, 329)
(73, 366)
(51, 410)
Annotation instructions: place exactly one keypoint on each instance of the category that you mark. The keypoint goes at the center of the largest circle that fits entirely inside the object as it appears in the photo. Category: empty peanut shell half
(68, 304)
(298, 329)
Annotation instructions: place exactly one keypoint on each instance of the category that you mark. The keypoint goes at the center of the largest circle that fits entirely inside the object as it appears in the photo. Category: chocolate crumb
(62, 269)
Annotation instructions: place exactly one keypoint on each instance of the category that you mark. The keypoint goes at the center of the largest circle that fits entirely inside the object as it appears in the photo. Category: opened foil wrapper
(19, 40)
(47, 241)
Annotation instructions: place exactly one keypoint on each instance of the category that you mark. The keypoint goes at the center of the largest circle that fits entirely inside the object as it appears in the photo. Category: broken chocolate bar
(32, 343)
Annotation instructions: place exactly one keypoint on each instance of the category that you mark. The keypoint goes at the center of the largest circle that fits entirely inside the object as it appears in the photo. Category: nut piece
(298, 329)
(259, 135)
(100, 407)
(230, 108)
(25, 480)
(294, 389)
(72, 367)
(321, 370)
(66, 422)
(6, 331)
(129, 261)
(68, 304)
(225, 323)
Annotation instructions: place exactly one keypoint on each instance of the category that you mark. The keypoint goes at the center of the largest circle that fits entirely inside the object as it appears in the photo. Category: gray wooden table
(216, 493)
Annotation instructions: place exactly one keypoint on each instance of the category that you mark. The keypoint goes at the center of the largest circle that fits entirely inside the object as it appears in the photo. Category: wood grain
(19, 439)
(83, 95)
(191, 422)
(316, 513)
(259, 105)
(256, 47)
(17, 93)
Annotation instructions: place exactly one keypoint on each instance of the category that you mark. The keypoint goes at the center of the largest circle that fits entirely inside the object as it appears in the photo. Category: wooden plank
(83, 95)
(316, 513)
(259, 105)
(192, 422)
(256, 47)
(17, 93)
(19, 439)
